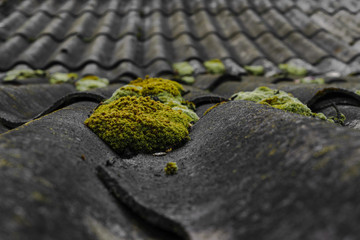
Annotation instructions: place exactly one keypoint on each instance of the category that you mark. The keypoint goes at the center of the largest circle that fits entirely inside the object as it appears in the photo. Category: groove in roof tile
(252, 23)
(303, 22)
(277, 22)
(334, 27)
(335, 47)
(298, 43)
(274, 49)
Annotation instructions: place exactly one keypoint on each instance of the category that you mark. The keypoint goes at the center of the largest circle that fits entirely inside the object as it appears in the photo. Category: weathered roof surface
(249, 171)
(112, 38)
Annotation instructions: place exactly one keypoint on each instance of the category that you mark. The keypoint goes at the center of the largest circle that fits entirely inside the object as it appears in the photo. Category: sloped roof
(114, 38)
(249, 171)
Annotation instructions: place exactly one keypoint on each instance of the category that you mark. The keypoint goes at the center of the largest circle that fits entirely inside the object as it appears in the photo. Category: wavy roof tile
(109, 34)
(249, 171)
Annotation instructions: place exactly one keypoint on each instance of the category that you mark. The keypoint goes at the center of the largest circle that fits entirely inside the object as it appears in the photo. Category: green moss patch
(255, 70)
(166, 91)
(310, 80)
(293, 70)
(183, 69)
(214, 66)
(278, 99)
(139, 124)
(25, 74)
(91, 82)
(57, 78)
(171, 168)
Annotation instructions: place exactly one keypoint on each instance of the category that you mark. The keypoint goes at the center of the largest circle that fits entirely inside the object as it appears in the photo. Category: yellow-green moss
(153, 86)
(57, 78)
(25, 74)
(255, 70)
(171, 168)
(139, 124)
(277, 99)
(187, 79)
(91, 82)
(166, 91)
(183, 68)
(212, 107)
(310, 80)
(214, 66)
(293, 70)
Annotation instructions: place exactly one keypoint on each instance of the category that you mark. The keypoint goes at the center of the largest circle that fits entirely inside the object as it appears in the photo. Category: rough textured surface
(248, 172)
(278, 176)
(85, 37)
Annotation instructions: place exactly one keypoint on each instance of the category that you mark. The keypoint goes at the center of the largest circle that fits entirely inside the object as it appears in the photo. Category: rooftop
(249, 171)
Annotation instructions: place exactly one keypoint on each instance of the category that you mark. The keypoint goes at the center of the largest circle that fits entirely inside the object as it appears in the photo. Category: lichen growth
(166, 91)
(278, 99)
(214, 66)
(57, 78)
(25, 74)
(183, 68)
(139, 124)
(90, 82)
(255, 70)
(293, 70)
(212, 107)
(171, 168)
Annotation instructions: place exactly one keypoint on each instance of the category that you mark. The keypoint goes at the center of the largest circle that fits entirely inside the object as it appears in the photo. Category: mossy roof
(249, 171)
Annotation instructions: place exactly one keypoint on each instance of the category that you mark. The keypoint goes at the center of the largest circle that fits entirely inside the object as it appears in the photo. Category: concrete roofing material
(249, 171)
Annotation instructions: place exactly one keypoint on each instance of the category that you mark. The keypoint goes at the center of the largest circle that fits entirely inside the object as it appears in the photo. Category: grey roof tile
(302, 22)
(252, 23)
(275, 50)
(335, 47)
(268, 30)
(298, 43)
(277, 22)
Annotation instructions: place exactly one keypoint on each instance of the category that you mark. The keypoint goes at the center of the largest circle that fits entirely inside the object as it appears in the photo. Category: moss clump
(57, 78)
(139, 124)
(187, 79)
(154, 86)
(171, 168)
(255, 70)
(183, 68)
(91, 82)
(214, 66)
(310, 80)
(293, 70)
(25, 74)
(277, 99)
(163, 90)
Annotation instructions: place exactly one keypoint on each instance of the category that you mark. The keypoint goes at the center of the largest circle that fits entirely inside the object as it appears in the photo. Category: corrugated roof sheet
(115, 38)
(249, 171)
